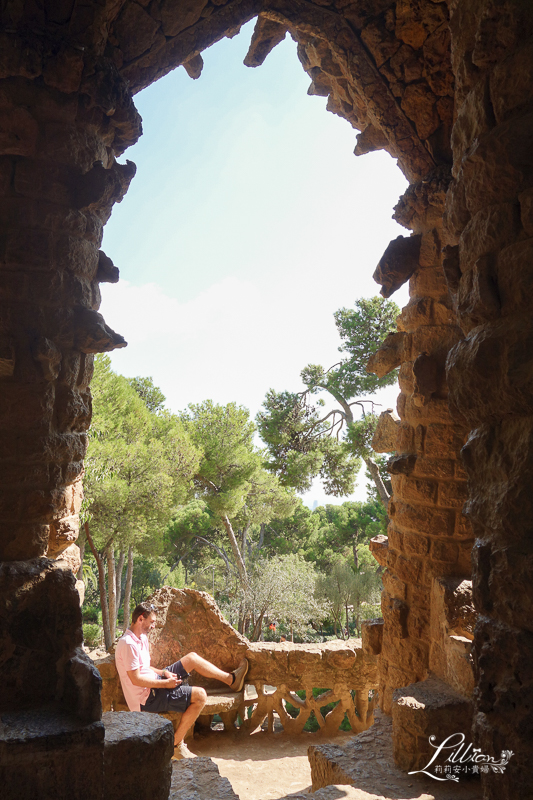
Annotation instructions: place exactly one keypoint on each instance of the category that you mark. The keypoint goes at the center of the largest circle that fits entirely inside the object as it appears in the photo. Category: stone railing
(345, 672)
(347, 676)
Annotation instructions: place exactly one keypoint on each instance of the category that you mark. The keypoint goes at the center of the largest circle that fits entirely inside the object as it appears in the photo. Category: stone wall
(489, 217)
(402, 72)
(428, 537)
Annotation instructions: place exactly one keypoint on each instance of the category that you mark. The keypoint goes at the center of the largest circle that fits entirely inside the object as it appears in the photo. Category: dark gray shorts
(178, 699)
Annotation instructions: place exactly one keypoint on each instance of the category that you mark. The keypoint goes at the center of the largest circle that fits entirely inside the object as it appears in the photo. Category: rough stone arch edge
(301, 18)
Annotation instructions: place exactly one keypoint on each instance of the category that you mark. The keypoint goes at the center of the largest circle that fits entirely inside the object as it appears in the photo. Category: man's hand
(170, 679)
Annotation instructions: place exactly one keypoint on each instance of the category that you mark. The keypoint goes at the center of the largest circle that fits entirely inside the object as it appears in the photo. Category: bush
(92, 634)
(90, 613)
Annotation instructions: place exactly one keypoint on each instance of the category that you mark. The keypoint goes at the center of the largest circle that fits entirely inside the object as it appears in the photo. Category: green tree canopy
(305, 440)
(152, 396)
(139, 465)
(230, 478)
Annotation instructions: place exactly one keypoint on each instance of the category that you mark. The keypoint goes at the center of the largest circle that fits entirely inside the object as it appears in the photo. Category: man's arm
(169, 682)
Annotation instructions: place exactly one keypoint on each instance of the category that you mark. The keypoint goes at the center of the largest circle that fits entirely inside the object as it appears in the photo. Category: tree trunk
(120, 570)
(244, 533)
(354, 550)
(101, 587)
(81, 544)
(112, 590)
(241, 568)
(127, 590)
(376, 477)
(256, 633)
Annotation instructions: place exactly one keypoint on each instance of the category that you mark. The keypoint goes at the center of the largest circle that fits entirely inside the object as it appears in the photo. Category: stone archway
(68, 75)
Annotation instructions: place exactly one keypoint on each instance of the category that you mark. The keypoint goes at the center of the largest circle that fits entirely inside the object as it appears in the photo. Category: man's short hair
(143, 610)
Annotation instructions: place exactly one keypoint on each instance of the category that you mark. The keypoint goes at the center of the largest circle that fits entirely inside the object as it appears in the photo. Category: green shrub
(92, 634)
(90, 613)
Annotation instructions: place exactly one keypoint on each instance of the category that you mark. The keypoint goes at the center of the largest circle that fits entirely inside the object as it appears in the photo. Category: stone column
(64, 116)
(490, 220)
(427, 536)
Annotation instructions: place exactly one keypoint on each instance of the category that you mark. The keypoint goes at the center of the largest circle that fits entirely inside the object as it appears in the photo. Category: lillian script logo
(461, 759)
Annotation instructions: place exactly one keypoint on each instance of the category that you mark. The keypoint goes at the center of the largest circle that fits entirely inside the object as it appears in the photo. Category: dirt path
(262, 766)
(271, 766)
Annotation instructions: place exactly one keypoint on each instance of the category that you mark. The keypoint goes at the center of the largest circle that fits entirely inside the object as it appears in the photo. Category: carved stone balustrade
(347, 676)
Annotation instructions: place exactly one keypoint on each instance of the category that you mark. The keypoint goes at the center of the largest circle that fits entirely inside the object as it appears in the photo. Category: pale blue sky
(249, 222)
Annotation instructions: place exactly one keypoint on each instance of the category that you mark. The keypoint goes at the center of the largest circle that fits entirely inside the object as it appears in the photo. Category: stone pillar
(490, 221)
(64, 115)
(427, 536)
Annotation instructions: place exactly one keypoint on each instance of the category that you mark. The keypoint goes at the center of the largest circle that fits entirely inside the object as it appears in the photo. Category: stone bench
(226, 704)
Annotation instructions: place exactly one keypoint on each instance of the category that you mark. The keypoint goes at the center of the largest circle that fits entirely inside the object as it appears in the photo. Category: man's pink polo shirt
(132, 653)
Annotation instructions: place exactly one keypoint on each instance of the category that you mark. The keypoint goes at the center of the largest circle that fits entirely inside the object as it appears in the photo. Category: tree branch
(221, 553)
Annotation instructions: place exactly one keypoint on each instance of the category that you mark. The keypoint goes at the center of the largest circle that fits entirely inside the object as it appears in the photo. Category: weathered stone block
(436, 409)
(417, 489)
(395, 349)
(395, 616)
(515, 276)
(199, 778)
(416, 544)
(405, 441)
(442, 441)
(452, 494)
(425, 519)
(423, 709)
(408, 570)
(419, 103)
(429, 282)
(511, 82)
(40, 604)
(497, 166)
(398, 263)
(38, 749)
(474, 117)
(444, 551)
(137, 752)
(379, 547)
(418, 625)
(395, 542)
(384, 439)
(393, 585)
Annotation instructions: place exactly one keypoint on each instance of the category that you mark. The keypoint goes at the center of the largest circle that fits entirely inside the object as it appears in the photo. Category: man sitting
(158, 690)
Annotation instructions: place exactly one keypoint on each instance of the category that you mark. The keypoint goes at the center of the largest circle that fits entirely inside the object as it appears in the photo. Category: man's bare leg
(189, 717)
(206, 668)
